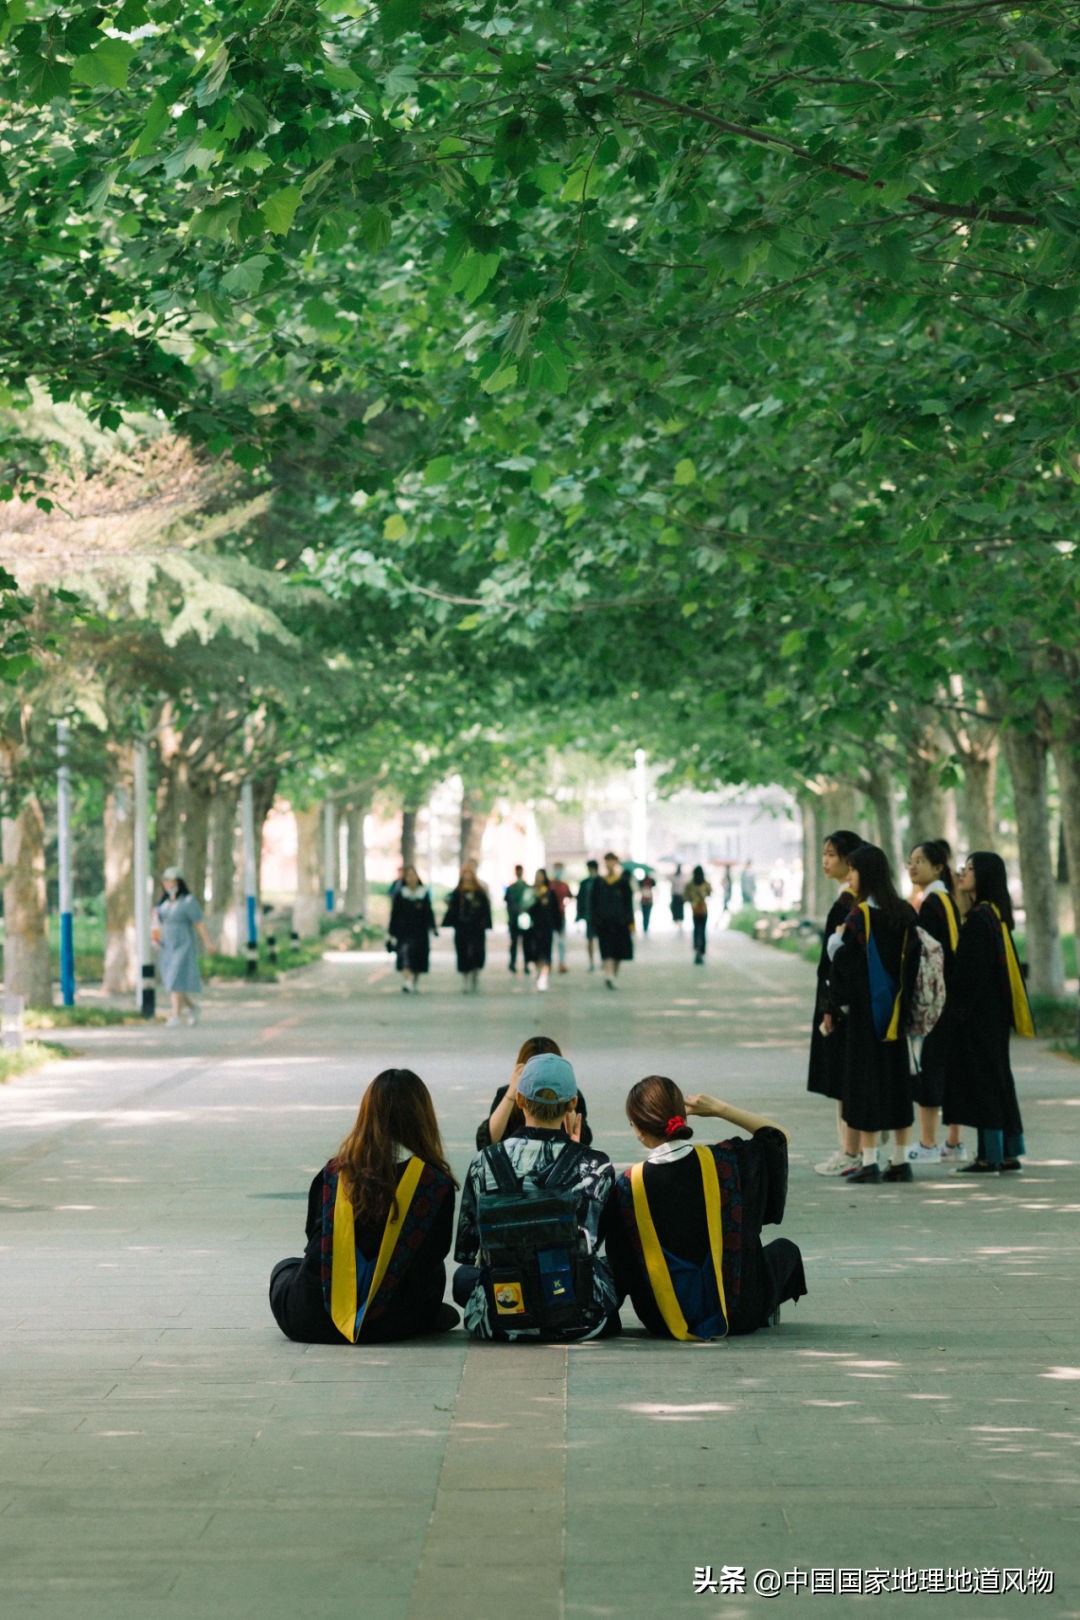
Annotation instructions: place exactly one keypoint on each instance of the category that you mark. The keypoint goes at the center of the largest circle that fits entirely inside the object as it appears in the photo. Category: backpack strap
(345, 1309)
(505, 1175)
(563, 1168)
(655, 1263)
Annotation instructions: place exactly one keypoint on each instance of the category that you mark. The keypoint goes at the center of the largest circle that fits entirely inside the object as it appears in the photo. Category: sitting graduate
(379, 1225)
(534, 1209)
(505, 1117)
(684, 1241)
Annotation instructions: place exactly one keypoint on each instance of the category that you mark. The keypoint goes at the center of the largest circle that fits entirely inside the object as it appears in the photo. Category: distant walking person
(178, 919)
(613, 915)
(412, 922)
(697, 894)
(544, 920)
(468, 913)
(646, 887)
(678, 896)
(584, 909)
(561, 890)
(514, 895)
(727, 886)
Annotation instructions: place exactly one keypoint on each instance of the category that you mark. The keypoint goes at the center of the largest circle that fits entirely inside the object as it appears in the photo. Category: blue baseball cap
(546, 1072)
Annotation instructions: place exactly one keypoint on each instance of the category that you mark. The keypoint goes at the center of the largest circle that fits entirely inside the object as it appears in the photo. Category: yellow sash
(344, 1304)
(655, 1264)
(951, 919)
(1022, 1019)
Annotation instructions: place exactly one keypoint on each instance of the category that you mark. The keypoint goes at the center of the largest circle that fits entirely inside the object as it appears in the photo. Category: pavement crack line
(496, 1537)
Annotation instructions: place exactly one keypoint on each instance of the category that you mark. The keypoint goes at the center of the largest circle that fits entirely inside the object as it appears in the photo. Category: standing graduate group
(886, 970)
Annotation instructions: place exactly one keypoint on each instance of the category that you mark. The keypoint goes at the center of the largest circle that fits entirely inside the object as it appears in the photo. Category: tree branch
(926, 205)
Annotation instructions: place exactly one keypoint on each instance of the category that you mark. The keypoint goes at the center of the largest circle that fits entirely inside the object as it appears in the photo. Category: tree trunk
(264, 792)
(475, 813)
(881, 791)
(26, 933)
(408, 835)
(356, 856)
(310, 901)
(928, 809)
(195, 847)
(170, 803)
(812, 876)
(1026, 755)
(1066, 750)
(220, 919)
(977, 798)
(119, 974)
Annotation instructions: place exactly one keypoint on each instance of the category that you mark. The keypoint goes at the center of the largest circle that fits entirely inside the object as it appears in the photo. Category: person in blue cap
(534, 1211)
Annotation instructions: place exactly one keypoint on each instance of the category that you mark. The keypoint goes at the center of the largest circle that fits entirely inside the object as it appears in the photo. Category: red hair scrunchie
(675, 1123)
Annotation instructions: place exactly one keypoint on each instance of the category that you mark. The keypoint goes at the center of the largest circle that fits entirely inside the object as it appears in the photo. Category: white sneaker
(192, 1015)
(839, 1162)
(542, 980)
(171, 1021)
(953, 1155)
(923, 1155)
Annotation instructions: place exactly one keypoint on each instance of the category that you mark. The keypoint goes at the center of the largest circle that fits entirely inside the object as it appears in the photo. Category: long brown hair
(395, 1111)
(653, 1103)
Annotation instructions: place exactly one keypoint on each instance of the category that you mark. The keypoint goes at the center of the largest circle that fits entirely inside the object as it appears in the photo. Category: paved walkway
(167, 1455)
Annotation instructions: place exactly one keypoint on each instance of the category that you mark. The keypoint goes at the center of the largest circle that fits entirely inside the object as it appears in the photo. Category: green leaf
(473, 274)
(279, 210)
(685, 472)
(439, 470)
(503, 378)
(792, 643)
(106, 65)
(376, 227)
(245, 278)
(395, 527)
(399, 17)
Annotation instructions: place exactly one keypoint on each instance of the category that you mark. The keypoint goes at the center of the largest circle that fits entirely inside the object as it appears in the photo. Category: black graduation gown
(544, 918)
(412, 923)
(296, 1291)
(468, 913)
(929, 1085)
(826, 1076)
(612, 918)
(769, 1273)
(876, 1093)
(979, 1085)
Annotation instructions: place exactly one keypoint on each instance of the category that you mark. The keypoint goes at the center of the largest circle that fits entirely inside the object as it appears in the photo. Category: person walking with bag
(828, 1030)
(178, 921)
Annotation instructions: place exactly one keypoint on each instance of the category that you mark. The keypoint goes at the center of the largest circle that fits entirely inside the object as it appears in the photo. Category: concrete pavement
(167, 1454)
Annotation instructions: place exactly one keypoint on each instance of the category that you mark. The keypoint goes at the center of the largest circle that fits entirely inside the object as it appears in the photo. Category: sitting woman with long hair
(505, 1117)
(379, 1227)
(684, 1240)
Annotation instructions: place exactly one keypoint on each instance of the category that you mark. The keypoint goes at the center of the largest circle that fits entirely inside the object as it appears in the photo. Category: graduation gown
(979, 1085)
(826, 1051)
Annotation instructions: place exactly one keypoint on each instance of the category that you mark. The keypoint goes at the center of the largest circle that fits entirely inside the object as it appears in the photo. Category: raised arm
(712, 1108)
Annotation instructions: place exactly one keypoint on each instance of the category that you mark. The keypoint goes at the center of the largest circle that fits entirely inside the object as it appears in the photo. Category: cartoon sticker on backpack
(509, 1298)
